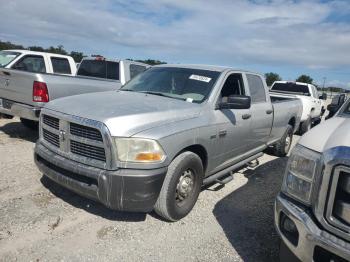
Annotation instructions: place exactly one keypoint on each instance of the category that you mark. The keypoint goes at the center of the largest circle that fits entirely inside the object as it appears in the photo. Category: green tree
(9, 45)
(271, 78)
(305, 79)
(151, 62)
(77, 56)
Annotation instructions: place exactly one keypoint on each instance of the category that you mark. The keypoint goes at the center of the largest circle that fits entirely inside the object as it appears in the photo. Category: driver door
(233, 125)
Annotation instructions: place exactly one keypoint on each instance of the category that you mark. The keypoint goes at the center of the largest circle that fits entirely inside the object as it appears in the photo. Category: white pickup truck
(313, 104)
(24, 90)
(38, 62)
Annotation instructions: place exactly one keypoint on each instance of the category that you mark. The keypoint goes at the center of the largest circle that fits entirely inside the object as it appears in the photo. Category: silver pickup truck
(312, 212)
(156, 141)
(24, 93)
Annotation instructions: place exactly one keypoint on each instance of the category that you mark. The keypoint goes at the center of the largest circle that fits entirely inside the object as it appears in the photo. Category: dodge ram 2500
(312, 212)
(156, 141)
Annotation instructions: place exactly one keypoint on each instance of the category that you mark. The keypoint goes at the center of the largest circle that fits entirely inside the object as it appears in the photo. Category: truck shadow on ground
(19, 131)
(88, 205)
(247, 214)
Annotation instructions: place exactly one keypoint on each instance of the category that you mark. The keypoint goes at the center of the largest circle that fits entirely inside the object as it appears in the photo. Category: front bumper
(21, 110)
(310, 234)
(122, 189)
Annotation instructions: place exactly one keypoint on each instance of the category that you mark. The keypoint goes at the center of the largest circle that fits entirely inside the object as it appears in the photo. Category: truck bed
(284, 108)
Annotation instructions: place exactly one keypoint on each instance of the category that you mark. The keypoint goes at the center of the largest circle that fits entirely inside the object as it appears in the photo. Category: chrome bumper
(22, 111)
(310, 235)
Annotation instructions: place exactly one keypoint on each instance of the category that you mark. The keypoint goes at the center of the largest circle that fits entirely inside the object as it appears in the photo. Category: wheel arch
(199, 150)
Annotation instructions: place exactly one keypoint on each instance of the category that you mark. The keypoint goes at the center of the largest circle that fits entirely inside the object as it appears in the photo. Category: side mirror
(323, 96)
(332, 108)
(236, 102)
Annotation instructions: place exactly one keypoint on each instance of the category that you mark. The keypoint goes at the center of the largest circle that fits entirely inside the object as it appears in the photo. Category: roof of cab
(29, 52)
(206, 67)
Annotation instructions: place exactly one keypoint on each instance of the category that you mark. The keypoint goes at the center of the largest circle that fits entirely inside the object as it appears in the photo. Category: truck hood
(334, 132)
(126, 113)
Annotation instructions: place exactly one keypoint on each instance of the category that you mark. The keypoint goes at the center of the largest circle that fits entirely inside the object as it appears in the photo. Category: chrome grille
(85, 132)
(51, 121)
(52, 138)
(341, 207)
(89, 151)
(337, 211)
(75, 141)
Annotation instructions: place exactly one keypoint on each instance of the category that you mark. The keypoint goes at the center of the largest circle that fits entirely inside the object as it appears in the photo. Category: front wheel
(181, 187)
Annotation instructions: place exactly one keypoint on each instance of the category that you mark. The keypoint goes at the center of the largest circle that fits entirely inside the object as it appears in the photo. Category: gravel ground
(40, 221)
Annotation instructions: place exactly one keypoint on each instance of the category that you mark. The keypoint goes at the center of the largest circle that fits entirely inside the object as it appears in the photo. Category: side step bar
(216, 177)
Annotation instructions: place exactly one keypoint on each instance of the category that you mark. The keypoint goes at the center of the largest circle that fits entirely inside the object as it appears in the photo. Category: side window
(232, 86)
(112, 70)
(31, 63)
(135, 70)
(257, 89)
(60, 65)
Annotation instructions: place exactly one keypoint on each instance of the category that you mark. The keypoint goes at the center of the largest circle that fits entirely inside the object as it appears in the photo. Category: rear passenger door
(261, 110)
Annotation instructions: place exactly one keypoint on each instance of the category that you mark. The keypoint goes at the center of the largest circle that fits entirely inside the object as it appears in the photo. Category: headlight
(139, 150)
(299, 178)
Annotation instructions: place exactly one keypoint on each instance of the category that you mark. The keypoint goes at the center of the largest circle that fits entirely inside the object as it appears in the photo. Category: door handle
(222, 133)
(269, 111)
(246, 116)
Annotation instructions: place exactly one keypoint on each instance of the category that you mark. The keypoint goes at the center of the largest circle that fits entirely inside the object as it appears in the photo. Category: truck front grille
(51, 121)
(341, 207)
(338, 202)
(89, 151)
(52, 138)
(75, 141)
(85, 132)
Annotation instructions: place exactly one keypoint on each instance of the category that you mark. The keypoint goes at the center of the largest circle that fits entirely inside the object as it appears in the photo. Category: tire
(185, 168)
(5, 116)
(282, 147)
(30, 124)
(305, 126)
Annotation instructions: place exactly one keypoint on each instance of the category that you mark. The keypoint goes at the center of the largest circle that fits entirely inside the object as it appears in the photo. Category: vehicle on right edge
(313, 104)
(312, 211)
(335, 105)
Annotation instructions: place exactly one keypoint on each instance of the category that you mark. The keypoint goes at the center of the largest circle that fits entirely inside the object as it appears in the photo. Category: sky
(283, 36)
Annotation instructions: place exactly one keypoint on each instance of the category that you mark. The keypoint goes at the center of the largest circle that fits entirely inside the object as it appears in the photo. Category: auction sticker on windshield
(200, 78)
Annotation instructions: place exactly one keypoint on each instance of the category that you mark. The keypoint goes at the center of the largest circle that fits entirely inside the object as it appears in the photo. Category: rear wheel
(181, 187)
(282, 147)
(305, 126)
(30, 124)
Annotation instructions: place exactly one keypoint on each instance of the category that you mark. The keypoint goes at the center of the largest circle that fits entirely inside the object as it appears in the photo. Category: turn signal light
(148, 157)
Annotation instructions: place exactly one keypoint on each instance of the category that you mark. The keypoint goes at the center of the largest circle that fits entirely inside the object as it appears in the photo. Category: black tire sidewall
(306, 126)
(194, 164)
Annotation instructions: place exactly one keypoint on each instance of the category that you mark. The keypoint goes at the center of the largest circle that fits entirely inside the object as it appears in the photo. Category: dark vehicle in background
(110, 69)
(335, 105)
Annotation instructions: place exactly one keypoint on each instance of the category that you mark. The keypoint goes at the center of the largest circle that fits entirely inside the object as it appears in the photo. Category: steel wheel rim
(184, 187)
(288, 143)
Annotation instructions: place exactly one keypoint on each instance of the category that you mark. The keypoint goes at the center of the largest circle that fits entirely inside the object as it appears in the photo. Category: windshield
(192, 85)
(290, 88)
(7, 57)
(347, 108)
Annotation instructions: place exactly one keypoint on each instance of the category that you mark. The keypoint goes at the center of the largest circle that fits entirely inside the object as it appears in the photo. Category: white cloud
(285, 32)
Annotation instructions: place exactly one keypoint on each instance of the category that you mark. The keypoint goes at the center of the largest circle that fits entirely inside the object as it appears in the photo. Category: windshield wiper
(161, 94)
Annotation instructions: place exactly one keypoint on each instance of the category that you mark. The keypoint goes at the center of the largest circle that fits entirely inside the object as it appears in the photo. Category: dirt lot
(41, 221)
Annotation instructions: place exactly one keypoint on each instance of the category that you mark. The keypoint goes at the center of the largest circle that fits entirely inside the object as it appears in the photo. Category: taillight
(40, 93)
